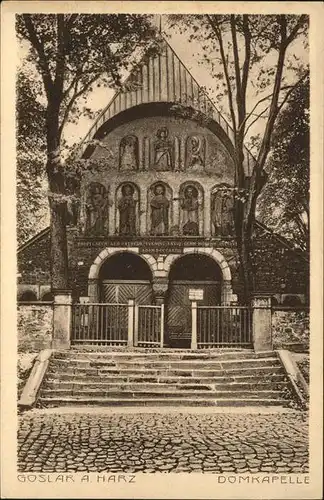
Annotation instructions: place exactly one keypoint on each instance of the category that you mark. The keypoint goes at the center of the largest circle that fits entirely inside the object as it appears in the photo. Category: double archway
(157, 268)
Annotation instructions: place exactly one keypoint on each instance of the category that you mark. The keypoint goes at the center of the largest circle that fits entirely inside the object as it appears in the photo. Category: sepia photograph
(163, 179)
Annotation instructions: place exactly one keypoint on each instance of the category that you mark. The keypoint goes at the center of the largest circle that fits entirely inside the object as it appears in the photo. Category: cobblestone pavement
(163, 442)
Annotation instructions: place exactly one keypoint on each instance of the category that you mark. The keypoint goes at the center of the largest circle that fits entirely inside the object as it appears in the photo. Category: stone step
(115, 350)
(161, 356)
(167, 364)
(201, 372)
(115, 379)
(199, 394)
(97, 401)
(160, 386)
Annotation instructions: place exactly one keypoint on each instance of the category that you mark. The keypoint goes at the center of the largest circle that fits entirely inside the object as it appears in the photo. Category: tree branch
(246, 64)
(248, 115)
(292, 88)
(60, 54)
(237, 70)
(75, 96)
(43, 63)
(256, 119)
(295, 29)
(217, 31)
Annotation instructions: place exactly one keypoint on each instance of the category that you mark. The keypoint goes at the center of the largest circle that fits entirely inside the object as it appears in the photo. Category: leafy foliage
(71, 54)
(75, 53)
(32, 205)
(256, 70)
(284, 202)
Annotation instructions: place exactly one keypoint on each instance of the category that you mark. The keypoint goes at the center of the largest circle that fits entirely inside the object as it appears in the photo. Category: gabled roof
(163, 77)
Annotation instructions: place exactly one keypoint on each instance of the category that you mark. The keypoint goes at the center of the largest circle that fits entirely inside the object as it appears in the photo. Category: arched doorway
(125, 276)
(189, 272)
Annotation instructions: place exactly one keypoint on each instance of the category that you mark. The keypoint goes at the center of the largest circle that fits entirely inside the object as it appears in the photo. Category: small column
(207, 217)
(176, 215)
(261, 323)
(62, 319)
(193, 324)
(131, 311)
(144, 225)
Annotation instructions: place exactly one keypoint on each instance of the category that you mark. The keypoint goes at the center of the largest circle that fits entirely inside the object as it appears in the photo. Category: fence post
(135, 325)
(162, 326)
(130, 338)
(193, 325)
(62, 319)
(261, 323)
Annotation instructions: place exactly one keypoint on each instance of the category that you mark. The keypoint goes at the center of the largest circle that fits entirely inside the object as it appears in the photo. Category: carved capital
(160, 289)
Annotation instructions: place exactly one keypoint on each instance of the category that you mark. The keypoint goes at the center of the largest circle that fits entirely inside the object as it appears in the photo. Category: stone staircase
(165, 377)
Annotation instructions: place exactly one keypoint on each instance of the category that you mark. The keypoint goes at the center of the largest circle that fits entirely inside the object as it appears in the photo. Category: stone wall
(34, 324)
(278, 268)
(290, 329)
(34, 260)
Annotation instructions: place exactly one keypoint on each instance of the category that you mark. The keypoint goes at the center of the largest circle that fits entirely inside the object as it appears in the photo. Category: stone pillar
(261, 323)
(62, 319)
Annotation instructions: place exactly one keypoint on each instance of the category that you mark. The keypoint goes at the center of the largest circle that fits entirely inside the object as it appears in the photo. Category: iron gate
(178, 315)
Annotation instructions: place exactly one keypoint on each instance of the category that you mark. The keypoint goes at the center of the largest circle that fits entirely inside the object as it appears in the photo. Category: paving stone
(125, 442)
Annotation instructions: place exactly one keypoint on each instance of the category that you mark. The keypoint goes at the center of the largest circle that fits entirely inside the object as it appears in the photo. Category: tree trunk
(244, 244)
(58, 211)
(57, 200)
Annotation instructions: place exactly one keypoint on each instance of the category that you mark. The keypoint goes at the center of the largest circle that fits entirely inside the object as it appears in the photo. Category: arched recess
(160, 109)
(125, 276)
(159, 206)
(215, 254)
(128, 254)
(191, 209)
(27, 296)
(227, 295)
(47, 297)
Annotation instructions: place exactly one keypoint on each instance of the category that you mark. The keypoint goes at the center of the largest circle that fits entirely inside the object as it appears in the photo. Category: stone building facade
(155, 216)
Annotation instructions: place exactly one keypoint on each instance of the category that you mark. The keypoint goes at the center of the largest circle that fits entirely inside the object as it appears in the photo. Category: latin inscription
(152, 245)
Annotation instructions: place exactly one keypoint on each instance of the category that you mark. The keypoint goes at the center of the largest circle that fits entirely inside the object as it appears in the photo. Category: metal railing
(118, 324)
(224, 326)
(100, 324)
(149, 326)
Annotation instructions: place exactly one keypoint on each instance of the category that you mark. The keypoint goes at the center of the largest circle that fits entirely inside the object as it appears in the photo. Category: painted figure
(163, 150)
(127, 211)
(128, 153)
(97, 210)
(195, 153)
(223, 213)
(190, 211)
(159, 212)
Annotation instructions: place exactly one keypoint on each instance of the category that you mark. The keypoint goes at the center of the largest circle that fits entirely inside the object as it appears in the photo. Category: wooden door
(119, 292)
